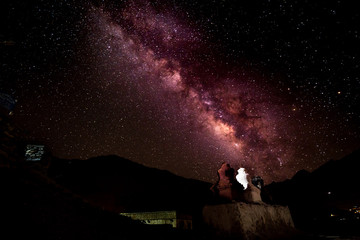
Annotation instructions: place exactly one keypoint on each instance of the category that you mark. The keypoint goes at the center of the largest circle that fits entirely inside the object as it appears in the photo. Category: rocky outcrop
(249, 221)
(227, 188)
(251, 194)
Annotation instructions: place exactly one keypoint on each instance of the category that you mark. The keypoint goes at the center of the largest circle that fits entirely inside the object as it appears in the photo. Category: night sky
(272, 86)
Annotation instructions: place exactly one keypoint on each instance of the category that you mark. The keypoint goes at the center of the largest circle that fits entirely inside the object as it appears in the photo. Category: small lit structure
(34, 152)
(172, 218)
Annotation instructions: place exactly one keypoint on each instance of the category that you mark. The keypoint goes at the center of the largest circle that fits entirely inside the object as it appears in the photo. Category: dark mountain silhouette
(321, 200)
(34, 206)
(30, 206)
(120, 185)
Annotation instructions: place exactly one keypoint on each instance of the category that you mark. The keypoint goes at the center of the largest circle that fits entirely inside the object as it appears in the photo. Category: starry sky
(271, 86)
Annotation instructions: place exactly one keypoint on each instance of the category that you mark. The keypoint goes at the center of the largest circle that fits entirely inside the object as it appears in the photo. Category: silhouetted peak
(300, 175)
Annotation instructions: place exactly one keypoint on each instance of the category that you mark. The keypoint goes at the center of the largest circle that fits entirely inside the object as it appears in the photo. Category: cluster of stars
(184, 86)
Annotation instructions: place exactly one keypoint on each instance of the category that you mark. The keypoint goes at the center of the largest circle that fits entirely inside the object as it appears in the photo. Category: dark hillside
(325, 199)
(33, 206)
(117, 184)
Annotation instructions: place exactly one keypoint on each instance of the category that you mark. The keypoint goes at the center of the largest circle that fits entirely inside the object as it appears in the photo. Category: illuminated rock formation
(246, 216)
(227, 188)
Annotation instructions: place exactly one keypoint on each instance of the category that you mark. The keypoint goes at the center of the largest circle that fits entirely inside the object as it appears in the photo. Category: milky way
(237, 119)
(149, 81)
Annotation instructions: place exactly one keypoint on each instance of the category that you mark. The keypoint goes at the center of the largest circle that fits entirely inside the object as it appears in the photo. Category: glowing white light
(241, 177)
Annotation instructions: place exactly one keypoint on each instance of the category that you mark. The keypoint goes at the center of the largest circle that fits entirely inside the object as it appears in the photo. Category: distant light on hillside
(34, 152)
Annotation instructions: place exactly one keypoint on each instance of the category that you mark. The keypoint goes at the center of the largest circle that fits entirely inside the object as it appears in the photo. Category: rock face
(227, 187)
(249, 221)
(251, 194)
